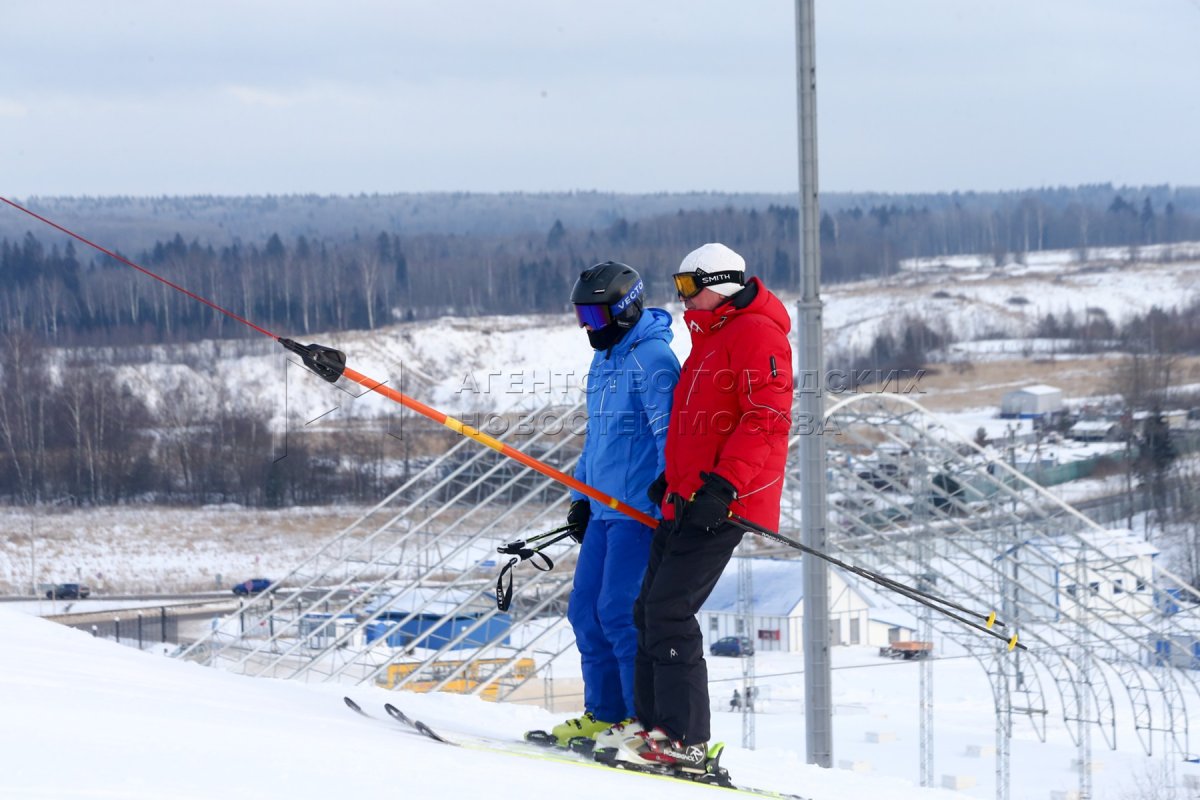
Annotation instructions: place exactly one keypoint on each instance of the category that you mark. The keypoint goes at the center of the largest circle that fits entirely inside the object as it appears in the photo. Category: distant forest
(299, 265)
(71, 431)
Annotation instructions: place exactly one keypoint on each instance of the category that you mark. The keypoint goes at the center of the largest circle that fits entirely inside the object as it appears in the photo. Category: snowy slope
(85, 718)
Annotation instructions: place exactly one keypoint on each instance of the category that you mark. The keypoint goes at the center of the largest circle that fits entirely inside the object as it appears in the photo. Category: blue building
(431, 618)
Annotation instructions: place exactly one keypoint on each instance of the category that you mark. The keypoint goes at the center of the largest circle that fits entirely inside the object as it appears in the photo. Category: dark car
(252, 586)
(68, 591)
(732, 646)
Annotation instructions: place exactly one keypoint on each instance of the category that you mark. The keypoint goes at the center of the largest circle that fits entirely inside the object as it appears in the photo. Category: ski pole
(882, 580)
(518, 546)
(519, 553)
(330, 365)
(924, 598)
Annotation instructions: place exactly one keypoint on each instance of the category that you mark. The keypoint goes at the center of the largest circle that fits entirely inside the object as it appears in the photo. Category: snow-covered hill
(486, 365)
(85, 718)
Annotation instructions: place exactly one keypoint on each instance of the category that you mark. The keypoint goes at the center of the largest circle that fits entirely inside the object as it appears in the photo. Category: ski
(415, 724)
(583, 745)
(576, 744)
(715, 776)
(356, 708)
(541, 738)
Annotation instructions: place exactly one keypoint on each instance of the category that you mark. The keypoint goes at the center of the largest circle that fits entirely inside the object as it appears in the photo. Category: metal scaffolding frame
(924, 505)
(335, 616)
(399, 597)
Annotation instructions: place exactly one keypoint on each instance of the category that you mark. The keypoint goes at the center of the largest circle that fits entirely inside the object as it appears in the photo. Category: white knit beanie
(715, 257)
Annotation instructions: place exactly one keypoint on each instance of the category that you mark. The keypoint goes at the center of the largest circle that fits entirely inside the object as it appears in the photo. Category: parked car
(732, 646)
(907, 650)
(251, 586)
(68, 591)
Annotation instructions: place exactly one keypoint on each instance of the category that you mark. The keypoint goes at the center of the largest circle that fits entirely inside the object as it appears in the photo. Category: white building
(1088, 576)
(1094, 430)
(858, 613)
(1029, 402)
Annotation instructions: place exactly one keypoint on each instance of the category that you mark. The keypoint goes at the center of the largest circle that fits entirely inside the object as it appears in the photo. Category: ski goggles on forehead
(689, 284)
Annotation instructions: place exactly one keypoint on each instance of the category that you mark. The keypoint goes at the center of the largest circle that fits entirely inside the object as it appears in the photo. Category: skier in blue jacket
(629, 389)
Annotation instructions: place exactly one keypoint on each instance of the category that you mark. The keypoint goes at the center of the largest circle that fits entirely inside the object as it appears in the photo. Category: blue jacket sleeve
(580, 473)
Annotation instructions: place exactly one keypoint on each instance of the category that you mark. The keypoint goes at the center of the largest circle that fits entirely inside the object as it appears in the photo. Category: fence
(139, 629)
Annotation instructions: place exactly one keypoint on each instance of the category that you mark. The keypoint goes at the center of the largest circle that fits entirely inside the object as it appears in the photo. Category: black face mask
(607, 337)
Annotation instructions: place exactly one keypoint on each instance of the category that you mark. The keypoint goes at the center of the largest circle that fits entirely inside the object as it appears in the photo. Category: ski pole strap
(504, 591)
(519, 553)
(504, 588)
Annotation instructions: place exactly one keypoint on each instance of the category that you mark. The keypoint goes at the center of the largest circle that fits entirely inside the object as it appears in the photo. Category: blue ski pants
(608, 575)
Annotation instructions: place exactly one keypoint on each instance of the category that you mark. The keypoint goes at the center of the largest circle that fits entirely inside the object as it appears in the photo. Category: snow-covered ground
(86, 718)
(149, 727)
(131, 549)
(972, 301)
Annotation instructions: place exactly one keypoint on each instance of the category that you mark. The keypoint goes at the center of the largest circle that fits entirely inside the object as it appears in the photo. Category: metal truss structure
(405, 597)
(924, 505)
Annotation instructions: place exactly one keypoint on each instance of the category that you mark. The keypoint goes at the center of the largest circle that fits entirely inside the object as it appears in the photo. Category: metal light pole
(818, 696)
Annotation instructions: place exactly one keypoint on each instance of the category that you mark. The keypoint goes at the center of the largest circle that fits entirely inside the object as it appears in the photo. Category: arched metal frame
(1000, 543)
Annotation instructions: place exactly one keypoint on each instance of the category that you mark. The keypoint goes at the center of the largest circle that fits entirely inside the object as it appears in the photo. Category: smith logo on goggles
(595, 317)
(689, 284)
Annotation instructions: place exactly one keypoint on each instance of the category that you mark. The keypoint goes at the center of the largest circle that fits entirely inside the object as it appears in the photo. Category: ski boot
(560, 735)
(609, 737)
(655, 751)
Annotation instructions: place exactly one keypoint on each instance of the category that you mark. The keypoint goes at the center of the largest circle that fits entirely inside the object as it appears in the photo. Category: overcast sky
(280, 96)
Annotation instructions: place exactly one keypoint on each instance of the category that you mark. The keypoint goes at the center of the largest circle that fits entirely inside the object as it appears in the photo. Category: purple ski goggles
(594, 317)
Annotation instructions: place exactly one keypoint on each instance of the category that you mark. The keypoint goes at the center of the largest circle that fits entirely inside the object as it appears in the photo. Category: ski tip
(430, 732)
(396, 713)
(353, 705)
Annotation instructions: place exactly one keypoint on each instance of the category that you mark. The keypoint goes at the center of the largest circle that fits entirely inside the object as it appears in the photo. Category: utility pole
(818, 695)
(33, 558)
(746, 613)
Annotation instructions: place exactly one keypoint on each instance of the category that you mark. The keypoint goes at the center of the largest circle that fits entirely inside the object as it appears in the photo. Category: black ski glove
(579, 515)
(709, 506)
(658, 490)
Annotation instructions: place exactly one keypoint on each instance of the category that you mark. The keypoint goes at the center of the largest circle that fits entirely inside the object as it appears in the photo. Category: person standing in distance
(629, 389)
(726, 451)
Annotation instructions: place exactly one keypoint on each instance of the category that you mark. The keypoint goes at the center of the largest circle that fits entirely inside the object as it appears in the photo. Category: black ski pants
(671, 676)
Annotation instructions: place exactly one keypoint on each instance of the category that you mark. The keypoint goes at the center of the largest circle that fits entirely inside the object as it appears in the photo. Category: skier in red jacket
(725, 453)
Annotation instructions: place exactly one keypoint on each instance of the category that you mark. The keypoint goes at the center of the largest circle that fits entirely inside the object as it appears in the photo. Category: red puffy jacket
(732, 411)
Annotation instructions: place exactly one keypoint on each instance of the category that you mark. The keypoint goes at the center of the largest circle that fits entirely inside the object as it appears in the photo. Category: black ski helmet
(608, 302)
(608, 293)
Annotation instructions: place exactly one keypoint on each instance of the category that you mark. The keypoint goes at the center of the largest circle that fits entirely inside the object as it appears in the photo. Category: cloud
(11, 108)
(262, 98)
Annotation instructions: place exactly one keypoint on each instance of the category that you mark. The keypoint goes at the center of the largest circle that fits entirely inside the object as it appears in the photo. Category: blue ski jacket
(629, 389)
